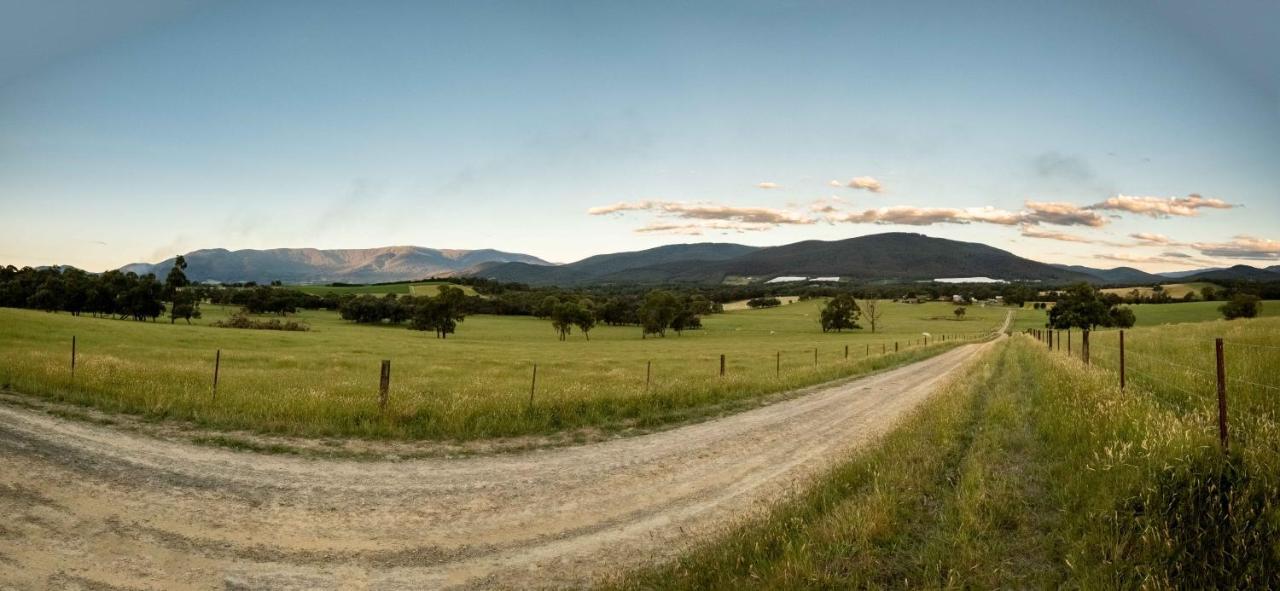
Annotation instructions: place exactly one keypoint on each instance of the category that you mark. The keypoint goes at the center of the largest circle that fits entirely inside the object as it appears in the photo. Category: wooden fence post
(533, 385)
(815, 357)
(73, 357)
(217, 364)
(882, 348)
(384, 385)
(1050, 339)
(868, 349)
(648, 371)
(895, 346)
(846, 351)
(1084, 347)
(1222, 393)
(722, 365)
(777, 364)
(1122, 359)
(1068, 342)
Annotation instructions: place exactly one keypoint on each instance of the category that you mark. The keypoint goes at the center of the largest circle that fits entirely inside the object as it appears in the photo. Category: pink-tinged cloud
(1241, 247)
(1161, 207)
(1152, 239)
(866, 183)
(1061, 213)
(1037, 232)
(698, 228)
(768, 185)
(708, 211)
(926, 216)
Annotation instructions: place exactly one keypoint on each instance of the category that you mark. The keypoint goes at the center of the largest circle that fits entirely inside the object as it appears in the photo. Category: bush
(242, 320)
(764, 302)
(1243, 305)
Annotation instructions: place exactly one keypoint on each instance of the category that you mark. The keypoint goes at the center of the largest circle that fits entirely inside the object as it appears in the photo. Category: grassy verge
(1031, 471)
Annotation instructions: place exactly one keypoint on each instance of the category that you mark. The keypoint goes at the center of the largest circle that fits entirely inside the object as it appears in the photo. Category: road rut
(85, 506)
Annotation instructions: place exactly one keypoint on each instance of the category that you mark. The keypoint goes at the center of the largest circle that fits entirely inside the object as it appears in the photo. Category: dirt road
(88, 507)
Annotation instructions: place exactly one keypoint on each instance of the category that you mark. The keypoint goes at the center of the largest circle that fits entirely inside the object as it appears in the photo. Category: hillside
(650, 265)
(1235, 273)
(1125, 275)
(890, 256)
(310, 265)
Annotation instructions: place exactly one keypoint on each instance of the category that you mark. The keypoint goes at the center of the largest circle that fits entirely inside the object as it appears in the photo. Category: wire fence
(1197, 372)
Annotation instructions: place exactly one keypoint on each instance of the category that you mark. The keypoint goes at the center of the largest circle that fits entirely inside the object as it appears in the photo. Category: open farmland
(1173, 290)
(421, 288)
(1152, 314)
(474, 384)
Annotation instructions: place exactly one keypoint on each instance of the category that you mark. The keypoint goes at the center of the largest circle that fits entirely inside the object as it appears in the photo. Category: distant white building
(785, 279)
(829, 279)
(969, 280)
(957, 299)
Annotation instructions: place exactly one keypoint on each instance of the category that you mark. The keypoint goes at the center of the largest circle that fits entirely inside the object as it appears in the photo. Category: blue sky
(1146, 134)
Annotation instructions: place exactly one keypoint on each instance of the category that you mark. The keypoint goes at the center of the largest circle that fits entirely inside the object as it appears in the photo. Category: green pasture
(422, 288)
(1152, 314)
(474, 384)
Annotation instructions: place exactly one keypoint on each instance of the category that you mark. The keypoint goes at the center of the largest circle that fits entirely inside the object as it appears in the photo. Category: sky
(1104, 134)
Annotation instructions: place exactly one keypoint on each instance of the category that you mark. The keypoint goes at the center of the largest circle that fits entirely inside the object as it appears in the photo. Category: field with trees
(1035, 470)
(475, 384)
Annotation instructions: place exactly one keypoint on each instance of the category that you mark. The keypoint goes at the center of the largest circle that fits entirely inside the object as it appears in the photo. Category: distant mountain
(1235, 273)
(641, 266)
(1181, 274)
(1128, 275)
(891, 256)
(310, 265)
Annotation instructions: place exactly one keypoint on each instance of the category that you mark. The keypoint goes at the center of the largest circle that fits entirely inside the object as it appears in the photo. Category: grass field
(475, 384)
(1153, 314)
(422, 288)
(1174, 290)
(1035, 471)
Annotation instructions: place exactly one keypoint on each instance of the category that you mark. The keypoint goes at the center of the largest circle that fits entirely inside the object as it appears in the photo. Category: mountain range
(896, 256)
(311, 265)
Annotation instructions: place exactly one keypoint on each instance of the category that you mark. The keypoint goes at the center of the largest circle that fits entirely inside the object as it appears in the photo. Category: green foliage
(657, 312)
(1242, 305)
(1083, 306)
(959, 312)
(176, 279)
(186, 305)
(840, 313)
(764, 302)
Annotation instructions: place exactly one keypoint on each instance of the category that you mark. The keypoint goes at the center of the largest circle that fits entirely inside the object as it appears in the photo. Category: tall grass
(475, 384)
(1030, 471)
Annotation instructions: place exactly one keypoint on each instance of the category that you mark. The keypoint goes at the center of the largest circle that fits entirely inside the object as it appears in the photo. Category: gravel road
(84, 506)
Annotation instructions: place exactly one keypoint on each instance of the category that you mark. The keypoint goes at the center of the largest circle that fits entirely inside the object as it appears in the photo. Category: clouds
(1154, 239)
(768, 185)
(1061, 213)
(707, 216)
(926, 216)
(1161, 207)
(1241, 247)
(866, 183)
(1037, 232)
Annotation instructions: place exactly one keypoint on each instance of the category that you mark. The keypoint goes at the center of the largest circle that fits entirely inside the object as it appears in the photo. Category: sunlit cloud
(768, 185)
(1162, 207)
(699, 228)
(1241, 247)
(1038, 232)
(708, 211)
(926, 216)
(1061, 213)
(1152, 239)
(866, 183)
(835, 183)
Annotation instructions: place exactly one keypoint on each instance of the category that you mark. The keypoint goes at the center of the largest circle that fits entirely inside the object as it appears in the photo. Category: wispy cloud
(698, 228)
(1162, 207)
(1241, 247)
(1038, 232)
(1153, 239)
(1061, 213)
(708, 211)
(768, 185)
(866, 183)
(926, 216)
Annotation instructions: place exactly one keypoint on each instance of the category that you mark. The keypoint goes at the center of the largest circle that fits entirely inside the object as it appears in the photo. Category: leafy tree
(960, 312)
(1122, 317)
(1242, 305)
(840, 313)
(547, 307)
(186, 305)
(1208, 293)
(177, 278)
(563, 317)
(1081, 307)
(657, 312)
(586, 319)
(763, 303)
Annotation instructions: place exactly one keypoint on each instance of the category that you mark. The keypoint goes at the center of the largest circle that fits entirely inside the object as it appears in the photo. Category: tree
(1208, 293)
(840, 312)
(1122, 317)
(1242, 305)
(586, 318)
(873, 313)
(186, 305)
(763, 303)
(657, 312)
(563, 317)
(547, 306)
(1081, 307)
(959, 312)
(440, 313)
(177, 278)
